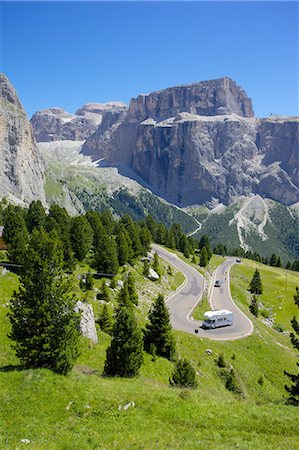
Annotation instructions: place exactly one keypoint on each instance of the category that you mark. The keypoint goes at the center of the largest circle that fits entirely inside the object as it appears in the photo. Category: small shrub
(234, 356)
(170, 270)
(261, 380)
(278, 328)
(220, 361)
(86, 282)
(183, 375)
(113, 283)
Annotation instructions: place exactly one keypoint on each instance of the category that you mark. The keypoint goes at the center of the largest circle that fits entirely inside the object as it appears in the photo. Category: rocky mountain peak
(21, 170)
(101, 108)
(207, 98)
(7, 91)
(56, 124)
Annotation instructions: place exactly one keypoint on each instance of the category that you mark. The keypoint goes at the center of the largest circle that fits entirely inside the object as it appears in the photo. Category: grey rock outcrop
(208, 98)
(153, 275)
(21, 170)
(192, 144)
(55, 124)
(87, 323)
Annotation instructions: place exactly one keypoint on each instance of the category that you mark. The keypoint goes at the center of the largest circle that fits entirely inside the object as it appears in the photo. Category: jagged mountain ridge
(55, 124)
(198, 142)
(21, 169)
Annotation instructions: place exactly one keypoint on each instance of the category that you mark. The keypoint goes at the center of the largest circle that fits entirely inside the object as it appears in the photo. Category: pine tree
(254, 309)
(293, 390)
(86, 282)
(158, 330)
(105, 320)
(123, 297)
(278, 262)
(123, 249)
(255, 286)
(81, 237)
(15, 234)
(169, 239)
(113, 283)
(44, 324)
(273, 260)
(183, 375)
(146, 268)
(106, 255)
(145, 238)
(59, 220)
(133, 296)
(204, 240)
(156, 264)
(209, 251)
(288, 265)
(124, 356)
(36, 216)
(105, 292)
(203, 261)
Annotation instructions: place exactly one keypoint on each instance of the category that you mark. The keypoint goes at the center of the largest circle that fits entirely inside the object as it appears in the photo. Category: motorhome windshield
(209, 321)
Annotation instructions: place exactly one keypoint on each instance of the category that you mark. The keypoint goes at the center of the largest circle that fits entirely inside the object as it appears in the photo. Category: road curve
(185, 299)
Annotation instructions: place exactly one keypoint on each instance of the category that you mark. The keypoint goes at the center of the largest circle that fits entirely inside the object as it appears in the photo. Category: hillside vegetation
(85, 410)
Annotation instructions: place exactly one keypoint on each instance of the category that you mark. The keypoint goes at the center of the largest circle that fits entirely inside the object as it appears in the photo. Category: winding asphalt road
(182, 303)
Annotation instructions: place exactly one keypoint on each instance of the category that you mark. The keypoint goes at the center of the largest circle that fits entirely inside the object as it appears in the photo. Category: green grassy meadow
(85, 410)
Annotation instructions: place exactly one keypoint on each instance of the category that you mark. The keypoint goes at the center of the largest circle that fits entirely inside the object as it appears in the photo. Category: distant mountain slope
(77, 183)
(55, 124)
(253, 223)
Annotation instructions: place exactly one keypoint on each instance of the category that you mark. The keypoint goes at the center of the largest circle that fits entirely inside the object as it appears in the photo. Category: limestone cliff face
(208, 98)
(195, 143)
(21, 170)
(55, 124)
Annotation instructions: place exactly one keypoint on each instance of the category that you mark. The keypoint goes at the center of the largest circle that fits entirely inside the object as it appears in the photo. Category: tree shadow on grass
(12, 368)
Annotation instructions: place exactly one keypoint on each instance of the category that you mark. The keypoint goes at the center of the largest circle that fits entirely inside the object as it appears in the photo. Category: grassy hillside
(85, 411)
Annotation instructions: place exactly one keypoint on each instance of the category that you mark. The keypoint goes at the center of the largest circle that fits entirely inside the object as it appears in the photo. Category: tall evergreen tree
(293, 390)
(59, 220)
(106, 255)
(273, 260)
(145, 238)
(105, 292)
(124, 298)
(278, 262)
(255, 286)
(158, 331)
(133, 296)
(81, 237)
(204, 240)
(209, 251)
(156, 264)
(44, 324)
(123, 248)
(146, 268)
(36, 216)
(254, 309)
(124, 356)
(203, 260)
(105, 320)
(15, 234)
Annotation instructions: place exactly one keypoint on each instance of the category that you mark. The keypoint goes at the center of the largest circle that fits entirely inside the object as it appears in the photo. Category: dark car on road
(217, 283)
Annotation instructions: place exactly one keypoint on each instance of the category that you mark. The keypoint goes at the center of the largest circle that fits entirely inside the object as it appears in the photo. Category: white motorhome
(216, 319)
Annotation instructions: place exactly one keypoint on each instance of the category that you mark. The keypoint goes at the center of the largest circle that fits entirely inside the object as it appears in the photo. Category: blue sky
(67, 54)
